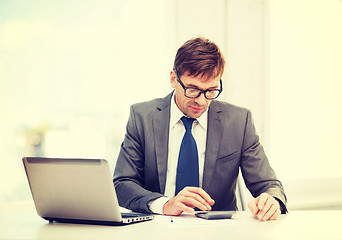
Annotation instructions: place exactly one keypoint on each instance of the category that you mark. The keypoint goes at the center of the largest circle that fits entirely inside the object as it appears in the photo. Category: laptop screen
(72, 188)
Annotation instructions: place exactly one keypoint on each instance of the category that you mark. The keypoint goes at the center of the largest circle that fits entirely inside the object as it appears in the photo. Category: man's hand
(265, 207)
(186, 200)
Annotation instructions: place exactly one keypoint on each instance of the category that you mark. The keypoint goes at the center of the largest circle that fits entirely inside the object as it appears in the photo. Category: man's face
(193, 107)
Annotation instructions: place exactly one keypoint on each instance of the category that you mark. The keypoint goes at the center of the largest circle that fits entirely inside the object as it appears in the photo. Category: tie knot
(187, 122)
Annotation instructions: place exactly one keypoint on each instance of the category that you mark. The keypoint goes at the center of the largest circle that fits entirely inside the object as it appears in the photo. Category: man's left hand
(265, 207)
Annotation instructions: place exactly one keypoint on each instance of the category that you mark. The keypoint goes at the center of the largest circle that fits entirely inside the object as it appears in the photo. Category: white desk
(20, 221)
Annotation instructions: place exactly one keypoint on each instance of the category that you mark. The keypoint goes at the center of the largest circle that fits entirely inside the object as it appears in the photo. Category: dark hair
(199, 57)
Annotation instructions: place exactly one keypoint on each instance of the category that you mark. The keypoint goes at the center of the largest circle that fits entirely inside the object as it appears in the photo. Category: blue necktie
(187, 168)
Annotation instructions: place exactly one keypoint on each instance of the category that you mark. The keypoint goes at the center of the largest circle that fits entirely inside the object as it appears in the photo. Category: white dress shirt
(176, 133)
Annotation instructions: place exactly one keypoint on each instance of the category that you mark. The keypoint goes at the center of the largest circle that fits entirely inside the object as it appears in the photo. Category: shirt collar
(176, 114)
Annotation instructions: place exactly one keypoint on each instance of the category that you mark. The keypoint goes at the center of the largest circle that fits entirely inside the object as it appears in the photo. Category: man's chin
(195, 114)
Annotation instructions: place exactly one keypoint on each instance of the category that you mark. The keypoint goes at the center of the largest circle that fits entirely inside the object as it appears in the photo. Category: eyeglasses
(191, 92)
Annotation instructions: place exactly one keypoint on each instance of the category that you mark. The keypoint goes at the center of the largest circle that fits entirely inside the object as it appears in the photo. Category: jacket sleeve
(256, 170)
(129, 171)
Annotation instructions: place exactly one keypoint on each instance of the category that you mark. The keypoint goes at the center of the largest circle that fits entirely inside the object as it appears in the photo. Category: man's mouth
(197, 109)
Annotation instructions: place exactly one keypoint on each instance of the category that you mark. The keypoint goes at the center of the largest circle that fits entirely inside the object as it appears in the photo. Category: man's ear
(173, 79)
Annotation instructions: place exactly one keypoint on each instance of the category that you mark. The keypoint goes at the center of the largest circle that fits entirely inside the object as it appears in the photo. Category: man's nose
(201, 100)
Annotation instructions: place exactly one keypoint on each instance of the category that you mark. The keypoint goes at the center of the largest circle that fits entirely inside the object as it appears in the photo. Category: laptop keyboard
(131, 215)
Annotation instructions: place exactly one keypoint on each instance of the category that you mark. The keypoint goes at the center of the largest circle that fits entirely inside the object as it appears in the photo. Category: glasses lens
(212, 94)
(192, 92)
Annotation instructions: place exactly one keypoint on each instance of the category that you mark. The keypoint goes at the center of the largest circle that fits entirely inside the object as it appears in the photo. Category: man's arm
(129, 171)
(259, 177)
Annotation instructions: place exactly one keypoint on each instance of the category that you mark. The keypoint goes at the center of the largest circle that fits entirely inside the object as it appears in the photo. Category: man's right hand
(186, 200)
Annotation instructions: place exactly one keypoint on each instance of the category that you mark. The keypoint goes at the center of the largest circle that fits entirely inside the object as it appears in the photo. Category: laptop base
(92, 222)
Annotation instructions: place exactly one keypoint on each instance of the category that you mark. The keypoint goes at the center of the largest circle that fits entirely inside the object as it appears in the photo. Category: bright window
(69, 70)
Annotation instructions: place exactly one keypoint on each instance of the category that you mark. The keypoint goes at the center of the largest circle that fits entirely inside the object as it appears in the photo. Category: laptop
(73, 190)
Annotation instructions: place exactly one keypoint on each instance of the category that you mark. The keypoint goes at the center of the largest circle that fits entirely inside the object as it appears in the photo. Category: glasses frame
(200, 90)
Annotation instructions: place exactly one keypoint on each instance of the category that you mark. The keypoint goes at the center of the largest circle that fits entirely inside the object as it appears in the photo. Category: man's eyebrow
(194, 86)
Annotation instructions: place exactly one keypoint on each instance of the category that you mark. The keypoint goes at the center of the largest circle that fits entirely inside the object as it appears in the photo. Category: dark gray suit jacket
(232, 142)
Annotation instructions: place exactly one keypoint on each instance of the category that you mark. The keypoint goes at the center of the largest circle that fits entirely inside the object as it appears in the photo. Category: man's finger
(271, 211)
(269, 203)
(194, 203)
(262, 199)
(276, 215)
(277, 211)
(191, 197)
(200, 195)
(197, 201)
(204, 195)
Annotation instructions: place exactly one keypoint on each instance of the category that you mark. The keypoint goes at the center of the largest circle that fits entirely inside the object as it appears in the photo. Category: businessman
(183, 152)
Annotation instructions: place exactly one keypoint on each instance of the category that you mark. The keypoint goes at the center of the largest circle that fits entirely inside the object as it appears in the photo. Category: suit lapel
(214, 136)
(161, 138)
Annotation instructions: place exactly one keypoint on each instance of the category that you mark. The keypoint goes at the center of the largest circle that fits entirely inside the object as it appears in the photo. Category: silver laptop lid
(72, 188)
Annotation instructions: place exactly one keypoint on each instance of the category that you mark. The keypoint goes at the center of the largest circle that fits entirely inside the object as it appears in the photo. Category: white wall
(305, 99)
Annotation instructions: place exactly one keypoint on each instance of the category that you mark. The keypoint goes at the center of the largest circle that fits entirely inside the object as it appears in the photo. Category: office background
(70, 69)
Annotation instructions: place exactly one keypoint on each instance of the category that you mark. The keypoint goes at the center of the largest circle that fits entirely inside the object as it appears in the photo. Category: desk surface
(20, 221)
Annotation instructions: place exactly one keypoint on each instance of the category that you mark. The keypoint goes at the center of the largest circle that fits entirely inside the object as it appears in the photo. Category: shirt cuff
(156, 206)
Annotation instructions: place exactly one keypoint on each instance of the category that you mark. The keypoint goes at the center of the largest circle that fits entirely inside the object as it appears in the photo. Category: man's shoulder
(228, 107)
